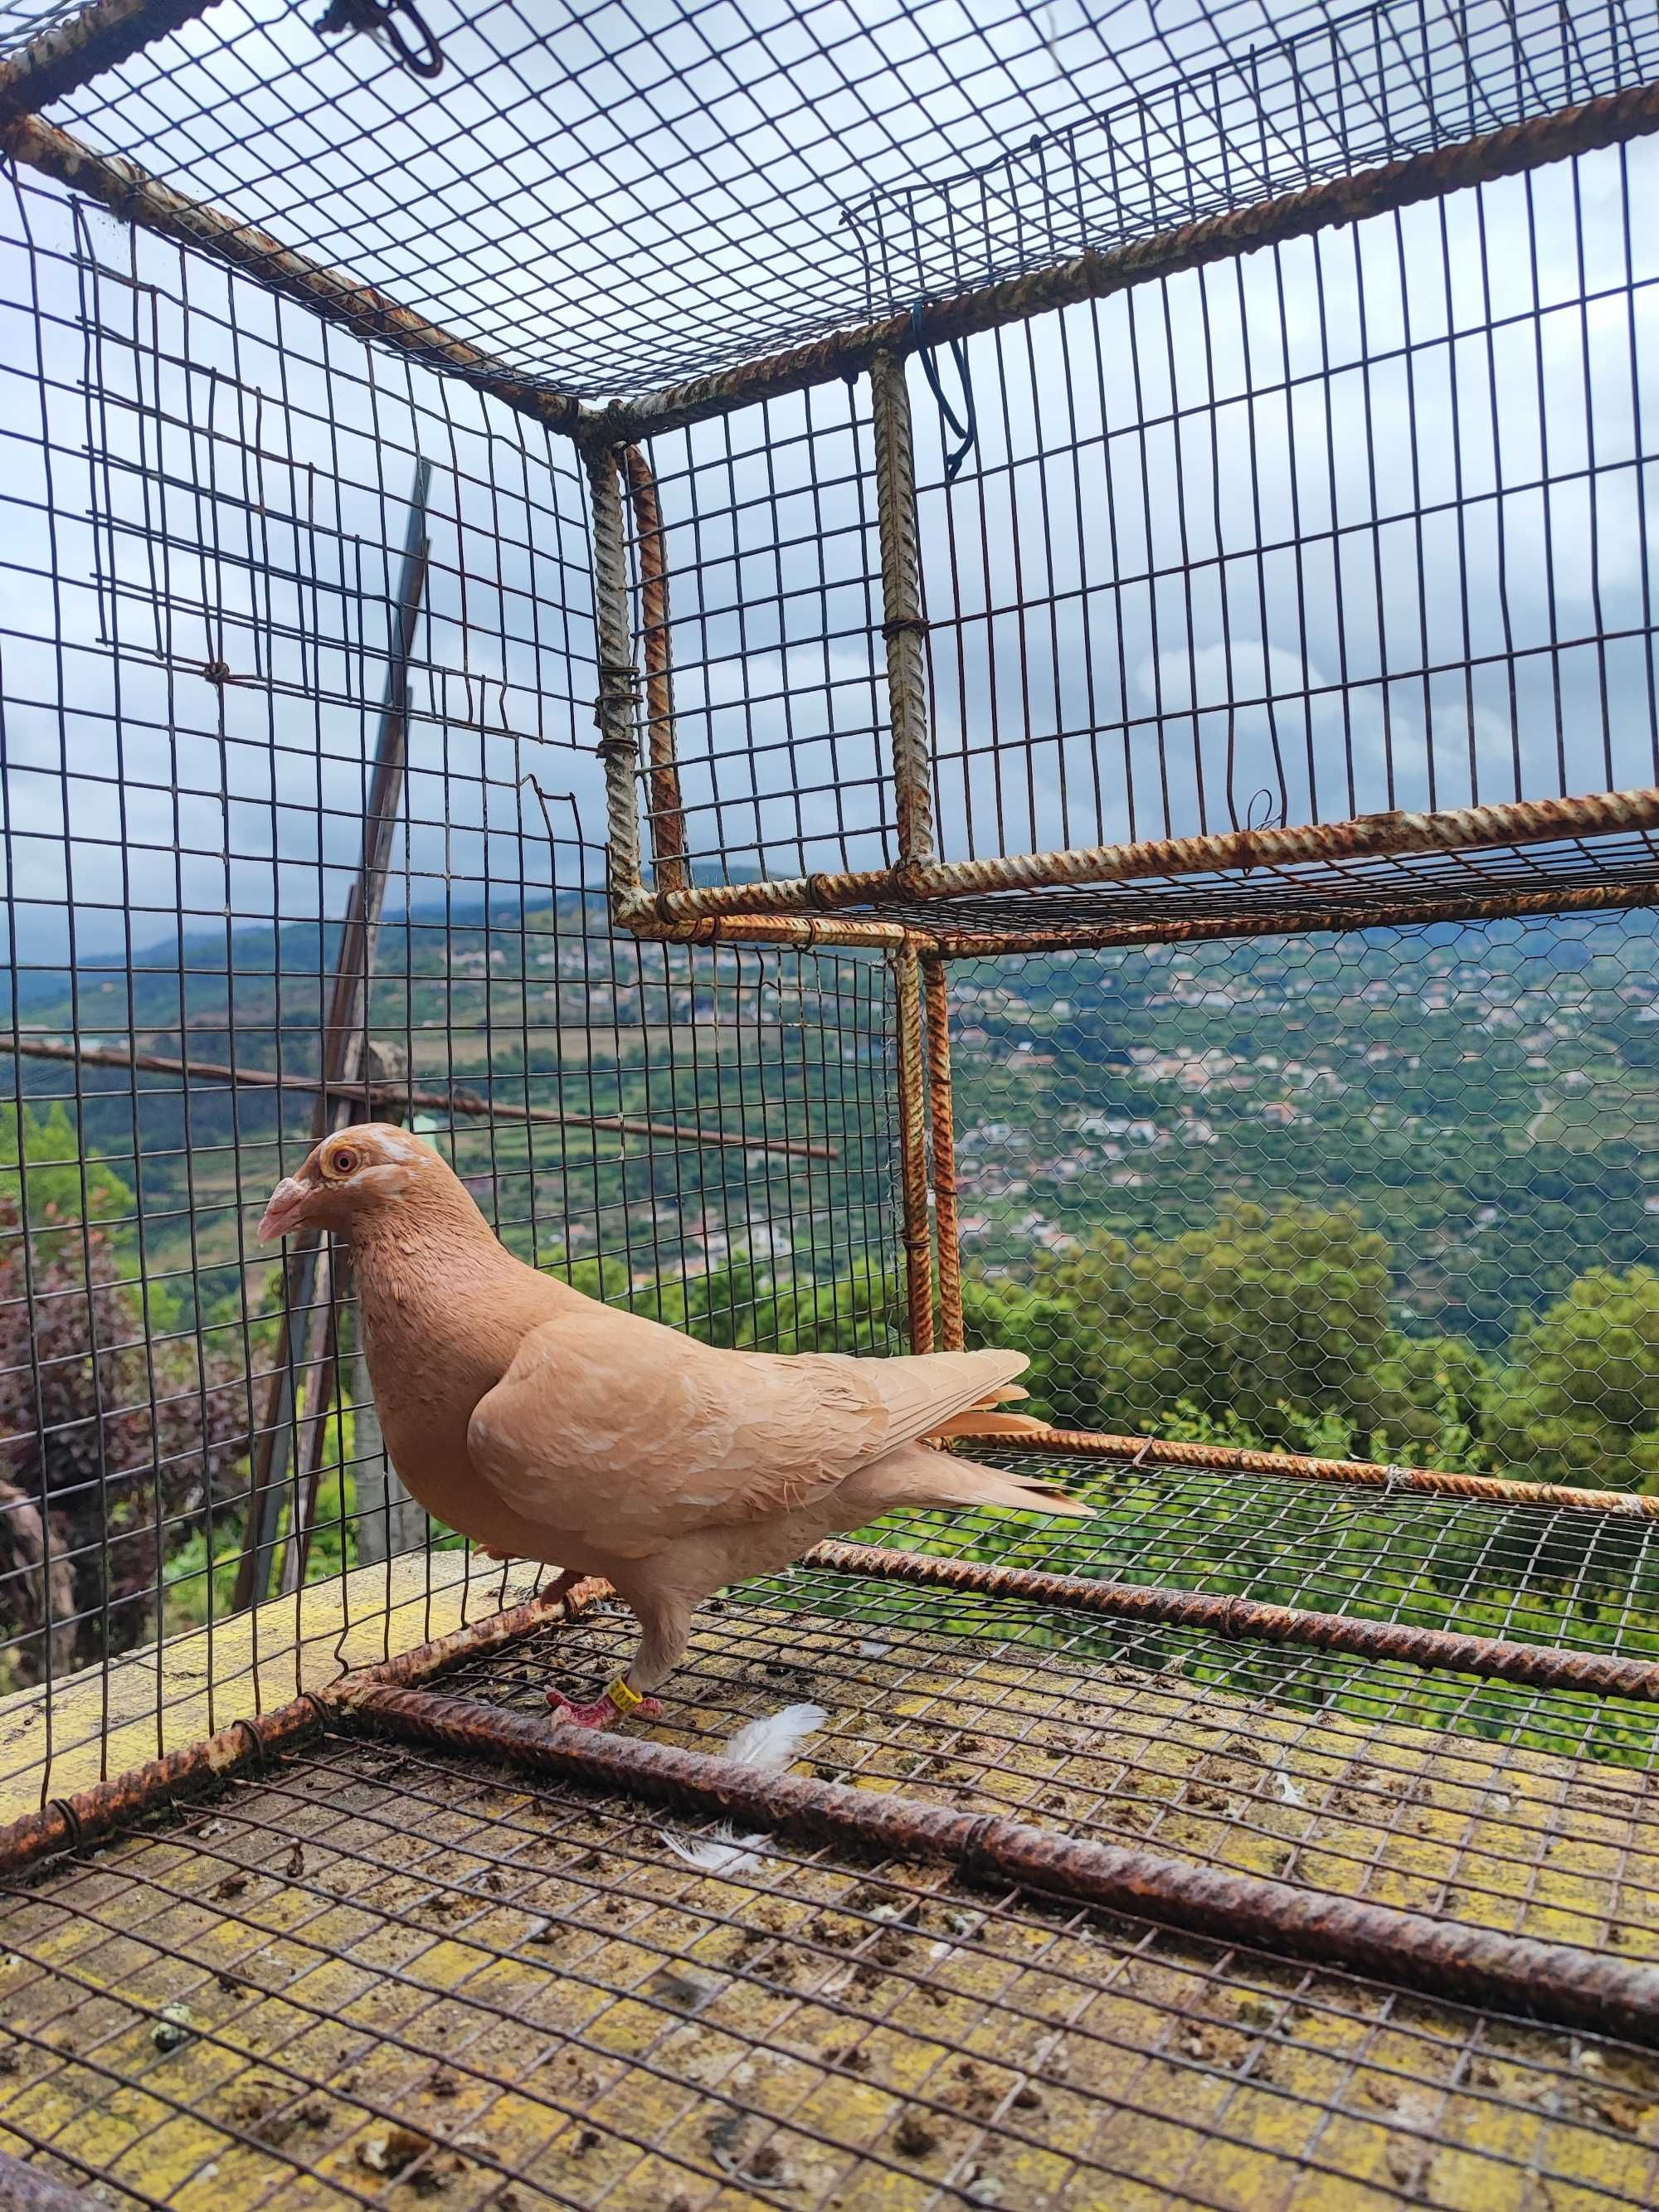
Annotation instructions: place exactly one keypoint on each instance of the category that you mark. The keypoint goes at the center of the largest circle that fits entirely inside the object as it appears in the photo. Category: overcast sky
(1375, 495)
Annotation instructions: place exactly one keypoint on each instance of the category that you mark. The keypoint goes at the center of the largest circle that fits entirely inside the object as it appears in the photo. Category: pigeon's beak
(285, 1212)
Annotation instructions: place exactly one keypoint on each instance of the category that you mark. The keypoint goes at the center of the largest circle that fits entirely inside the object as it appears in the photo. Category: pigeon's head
(350, 1175)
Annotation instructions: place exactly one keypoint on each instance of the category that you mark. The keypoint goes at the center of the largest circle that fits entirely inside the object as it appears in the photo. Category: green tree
(1578, 1400)
(1261, 1313)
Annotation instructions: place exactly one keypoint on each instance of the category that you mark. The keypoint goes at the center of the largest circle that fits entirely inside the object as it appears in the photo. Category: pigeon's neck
(437, 1264)
(445, 1308)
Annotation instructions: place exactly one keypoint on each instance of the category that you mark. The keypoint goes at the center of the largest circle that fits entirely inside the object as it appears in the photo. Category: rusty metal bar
(912, 1147)
(902, 623)
(947, 1227)
(1394, 836)
(810, 930)
(670, 868)
(1231, 1459)
(91, 1814)
(132, 194)
(615, 711)
(1448, 1959)
(65, 55)
(25, 2188)
(1516, 147)
(1538, 1666)
(1360, 913)
(402, 1096)
(806, 930)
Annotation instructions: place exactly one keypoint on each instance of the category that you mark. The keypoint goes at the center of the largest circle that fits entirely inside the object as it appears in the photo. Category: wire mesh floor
(1582, 1581)
(373, 1974)
(1526, 1811)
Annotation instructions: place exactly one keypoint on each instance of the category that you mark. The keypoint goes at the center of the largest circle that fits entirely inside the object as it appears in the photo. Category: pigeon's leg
(566, 1582)
(664, 1618)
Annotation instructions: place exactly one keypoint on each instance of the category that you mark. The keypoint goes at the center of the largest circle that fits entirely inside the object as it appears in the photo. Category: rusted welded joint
(1451, 1960)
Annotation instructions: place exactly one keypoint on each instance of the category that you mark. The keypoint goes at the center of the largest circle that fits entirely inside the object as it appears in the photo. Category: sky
(1369, 520)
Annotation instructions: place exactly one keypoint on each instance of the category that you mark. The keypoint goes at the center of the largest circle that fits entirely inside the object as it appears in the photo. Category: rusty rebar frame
(917, 1236)
(1447, 1960)
(1358, 1474)
(1609, 120)
(1452, 1960)
(1336, 916)
(941, 1105)
(669, 866)
(65, 55)
(1536, 1666)
(903, 626)
(616, 710)
(128, 191)
(1397, 834)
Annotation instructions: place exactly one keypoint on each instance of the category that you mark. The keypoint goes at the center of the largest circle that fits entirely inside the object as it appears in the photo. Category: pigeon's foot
(602, 1713)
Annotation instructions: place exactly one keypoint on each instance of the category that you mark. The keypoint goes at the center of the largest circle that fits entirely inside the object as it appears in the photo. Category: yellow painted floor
(382, 1975)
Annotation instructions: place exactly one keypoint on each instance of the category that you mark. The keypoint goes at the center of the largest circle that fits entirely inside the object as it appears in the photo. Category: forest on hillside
(1393, 1198)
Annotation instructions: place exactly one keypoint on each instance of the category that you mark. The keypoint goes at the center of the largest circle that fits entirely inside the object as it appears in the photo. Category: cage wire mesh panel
(210, 505)
(488, 1985)
(768, 543)
(1313, 1238)
(1351, 526)
(608, 204)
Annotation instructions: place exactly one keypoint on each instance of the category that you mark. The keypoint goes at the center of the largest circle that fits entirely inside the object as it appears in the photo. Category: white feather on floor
(767, 1745)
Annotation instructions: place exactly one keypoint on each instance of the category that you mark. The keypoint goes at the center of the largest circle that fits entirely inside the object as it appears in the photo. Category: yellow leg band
(623, 1698)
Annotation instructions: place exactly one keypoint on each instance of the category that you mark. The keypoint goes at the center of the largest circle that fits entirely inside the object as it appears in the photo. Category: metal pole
(615, 711)
(308, 1296)
(913, 1149)
(668, 862)
(936, 985)
(902, 625)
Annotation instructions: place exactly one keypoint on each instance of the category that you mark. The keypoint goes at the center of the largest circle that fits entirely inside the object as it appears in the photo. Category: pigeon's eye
(342, 1161)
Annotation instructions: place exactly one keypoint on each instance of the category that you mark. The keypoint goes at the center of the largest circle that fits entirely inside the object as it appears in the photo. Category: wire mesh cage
(1109, 556)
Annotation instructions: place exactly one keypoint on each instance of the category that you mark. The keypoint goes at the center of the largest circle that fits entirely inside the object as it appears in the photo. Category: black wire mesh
(373, 1967)
(609, 204)
(773, 576)
(208, 496)
(1355, 523)
(1528, 1811)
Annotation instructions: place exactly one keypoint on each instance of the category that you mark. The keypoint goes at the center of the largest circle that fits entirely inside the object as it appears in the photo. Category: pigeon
(545, 1426)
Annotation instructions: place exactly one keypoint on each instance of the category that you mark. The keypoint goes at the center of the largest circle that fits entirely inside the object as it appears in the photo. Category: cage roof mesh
(609, 197)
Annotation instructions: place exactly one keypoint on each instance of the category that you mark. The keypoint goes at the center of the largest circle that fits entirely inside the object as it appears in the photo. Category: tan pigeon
(547, 1426)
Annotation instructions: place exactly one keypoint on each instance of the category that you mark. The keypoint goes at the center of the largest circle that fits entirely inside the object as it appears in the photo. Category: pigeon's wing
(612, 1430)
(625, 1435)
